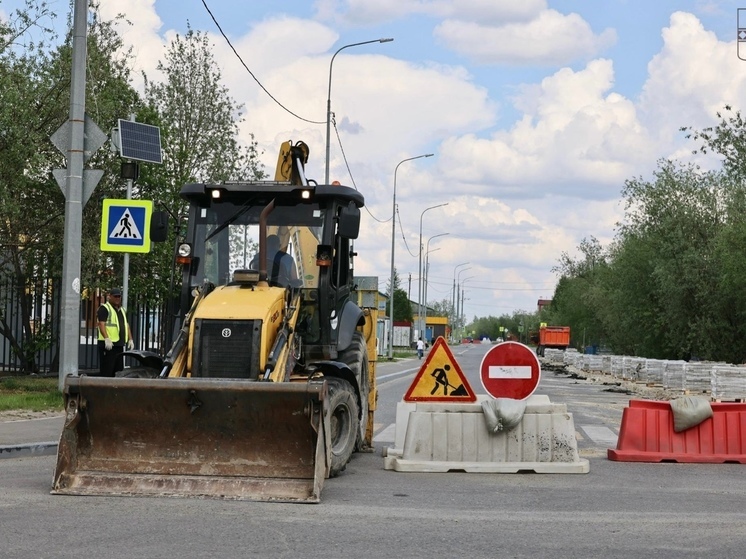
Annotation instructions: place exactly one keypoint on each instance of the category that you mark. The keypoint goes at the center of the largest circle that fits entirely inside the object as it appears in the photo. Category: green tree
(198, 118)
(677, 216)
(198, 121)
(727, 138)
(35, 80)
(669, 285)
(580, 296)
(442, 308)
(402, 305)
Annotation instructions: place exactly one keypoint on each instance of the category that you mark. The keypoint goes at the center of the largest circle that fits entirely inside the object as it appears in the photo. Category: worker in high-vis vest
(114, 334)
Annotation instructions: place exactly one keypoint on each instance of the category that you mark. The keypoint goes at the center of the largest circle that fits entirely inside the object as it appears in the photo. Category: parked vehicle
(555, 337)
(268, 388)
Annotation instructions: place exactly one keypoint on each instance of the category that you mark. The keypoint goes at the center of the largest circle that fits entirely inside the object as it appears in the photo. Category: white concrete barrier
(442, 437)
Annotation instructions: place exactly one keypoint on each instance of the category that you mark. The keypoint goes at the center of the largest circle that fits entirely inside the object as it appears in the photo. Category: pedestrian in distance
(420, 348)
(114, 334)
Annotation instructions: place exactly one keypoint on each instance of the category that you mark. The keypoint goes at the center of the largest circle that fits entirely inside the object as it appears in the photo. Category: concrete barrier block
(438, 437)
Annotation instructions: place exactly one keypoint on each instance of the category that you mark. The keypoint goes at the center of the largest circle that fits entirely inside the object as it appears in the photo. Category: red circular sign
(510, 370)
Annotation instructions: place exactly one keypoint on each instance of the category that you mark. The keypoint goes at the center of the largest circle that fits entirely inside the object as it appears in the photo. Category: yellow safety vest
(112, 324)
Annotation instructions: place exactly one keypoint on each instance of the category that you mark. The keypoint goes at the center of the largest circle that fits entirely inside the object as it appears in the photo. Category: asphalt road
(618, 510)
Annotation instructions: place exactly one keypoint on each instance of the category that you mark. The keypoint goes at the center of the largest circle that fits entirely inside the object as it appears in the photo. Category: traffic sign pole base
(442, 437)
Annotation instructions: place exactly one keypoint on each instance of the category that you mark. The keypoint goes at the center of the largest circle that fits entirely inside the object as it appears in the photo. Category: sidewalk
(30, 436)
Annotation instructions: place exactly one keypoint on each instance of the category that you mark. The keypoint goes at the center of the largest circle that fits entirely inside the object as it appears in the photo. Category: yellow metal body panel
(234, 302)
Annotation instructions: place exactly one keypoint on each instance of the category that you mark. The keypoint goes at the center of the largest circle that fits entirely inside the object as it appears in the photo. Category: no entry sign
(510, 370)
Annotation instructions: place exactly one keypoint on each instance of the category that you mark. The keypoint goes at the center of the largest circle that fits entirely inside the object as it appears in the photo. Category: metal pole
(463, 314)
(463, 321)
(427, 270)
(393, 246)
(454, 300)
(419, 271)
(329, 99)
(70, 305)
(458, 292)
(126, 263)
(427, 276)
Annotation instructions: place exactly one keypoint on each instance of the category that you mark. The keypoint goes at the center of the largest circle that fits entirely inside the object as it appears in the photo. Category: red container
(554, 336)
(647, 435)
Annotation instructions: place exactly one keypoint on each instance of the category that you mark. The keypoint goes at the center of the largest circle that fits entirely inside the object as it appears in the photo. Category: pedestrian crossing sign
(440, 378)
(125, 225)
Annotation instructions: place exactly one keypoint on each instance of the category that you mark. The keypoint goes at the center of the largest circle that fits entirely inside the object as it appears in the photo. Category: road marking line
(383, 377)
(388, 435)
(600, 434)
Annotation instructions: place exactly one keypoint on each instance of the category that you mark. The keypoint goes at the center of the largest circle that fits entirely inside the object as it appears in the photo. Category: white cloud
(367, 12)
(384, 107)
(487, 31)
(140, 33)
(690, 79)
(518, 194)
(550, 38)
(575, 137)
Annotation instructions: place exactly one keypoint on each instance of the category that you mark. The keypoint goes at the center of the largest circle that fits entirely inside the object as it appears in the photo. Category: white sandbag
(503, 414)
(689, 411)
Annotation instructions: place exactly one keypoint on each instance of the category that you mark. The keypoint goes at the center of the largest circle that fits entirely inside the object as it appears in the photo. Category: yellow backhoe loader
(268, 388)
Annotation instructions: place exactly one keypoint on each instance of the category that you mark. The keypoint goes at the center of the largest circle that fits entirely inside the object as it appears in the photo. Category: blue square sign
(125, 225)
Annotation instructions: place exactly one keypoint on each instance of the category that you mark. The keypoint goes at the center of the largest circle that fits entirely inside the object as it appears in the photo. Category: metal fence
(30, 313)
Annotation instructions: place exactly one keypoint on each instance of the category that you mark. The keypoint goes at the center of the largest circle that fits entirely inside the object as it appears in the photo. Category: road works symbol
(440, 378)
(510, 370)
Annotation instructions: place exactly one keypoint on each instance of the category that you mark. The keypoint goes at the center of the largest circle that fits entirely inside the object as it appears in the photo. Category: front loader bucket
(186, 437)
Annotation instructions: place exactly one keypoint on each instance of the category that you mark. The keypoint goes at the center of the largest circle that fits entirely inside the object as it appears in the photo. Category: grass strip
(30, 393)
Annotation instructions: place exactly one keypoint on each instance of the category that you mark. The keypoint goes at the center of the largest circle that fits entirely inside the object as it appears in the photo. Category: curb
(28, 449)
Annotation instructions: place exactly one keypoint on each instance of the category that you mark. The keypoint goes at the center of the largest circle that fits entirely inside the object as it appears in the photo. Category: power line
(339, 140)
(215, 21)
(344, 157)
(488, 288)
(401, 228)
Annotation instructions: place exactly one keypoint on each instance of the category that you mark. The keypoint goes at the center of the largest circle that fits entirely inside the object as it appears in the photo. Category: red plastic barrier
(647, 435)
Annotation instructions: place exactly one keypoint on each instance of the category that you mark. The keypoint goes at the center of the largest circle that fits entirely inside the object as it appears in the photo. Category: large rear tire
(137, 372)
(356, 358)
(343, 422)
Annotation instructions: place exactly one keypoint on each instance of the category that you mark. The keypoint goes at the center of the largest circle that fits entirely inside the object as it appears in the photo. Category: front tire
(344, 423)
(356, 358)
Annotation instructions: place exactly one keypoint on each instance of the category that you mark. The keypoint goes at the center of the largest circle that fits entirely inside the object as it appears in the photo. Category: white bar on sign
(518, 371)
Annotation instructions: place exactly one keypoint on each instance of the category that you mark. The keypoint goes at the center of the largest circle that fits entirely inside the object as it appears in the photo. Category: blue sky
(537, 111)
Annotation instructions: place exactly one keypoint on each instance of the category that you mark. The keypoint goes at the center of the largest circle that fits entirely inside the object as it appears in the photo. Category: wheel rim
(340, 425)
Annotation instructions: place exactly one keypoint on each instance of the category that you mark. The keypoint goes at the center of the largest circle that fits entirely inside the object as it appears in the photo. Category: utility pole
(76, 139)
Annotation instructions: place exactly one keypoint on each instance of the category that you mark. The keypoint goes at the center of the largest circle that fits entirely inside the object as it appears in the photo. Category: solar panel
(139, 141)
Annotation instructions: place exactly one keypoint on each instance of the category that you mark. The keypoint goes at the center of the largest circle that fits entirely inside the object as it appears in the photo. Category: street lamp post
(427, 277)
(453, 296)
(426, 271)
(329, 97)
(463, 316)
(419, 270)
(458, 290)
(393, 245)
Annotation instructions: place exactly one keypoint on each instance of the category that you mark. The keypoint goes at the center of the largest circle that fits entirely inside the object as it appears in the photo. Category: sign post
(510, 370)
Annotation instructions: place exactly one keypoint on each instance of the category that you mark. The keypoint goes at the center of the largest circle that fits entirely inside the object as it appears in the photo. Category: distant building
(543, 303)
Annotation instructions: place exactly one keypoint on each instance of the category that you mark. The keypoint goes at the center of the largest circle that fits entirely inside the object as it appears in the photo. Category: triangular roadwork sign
(440, 378)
